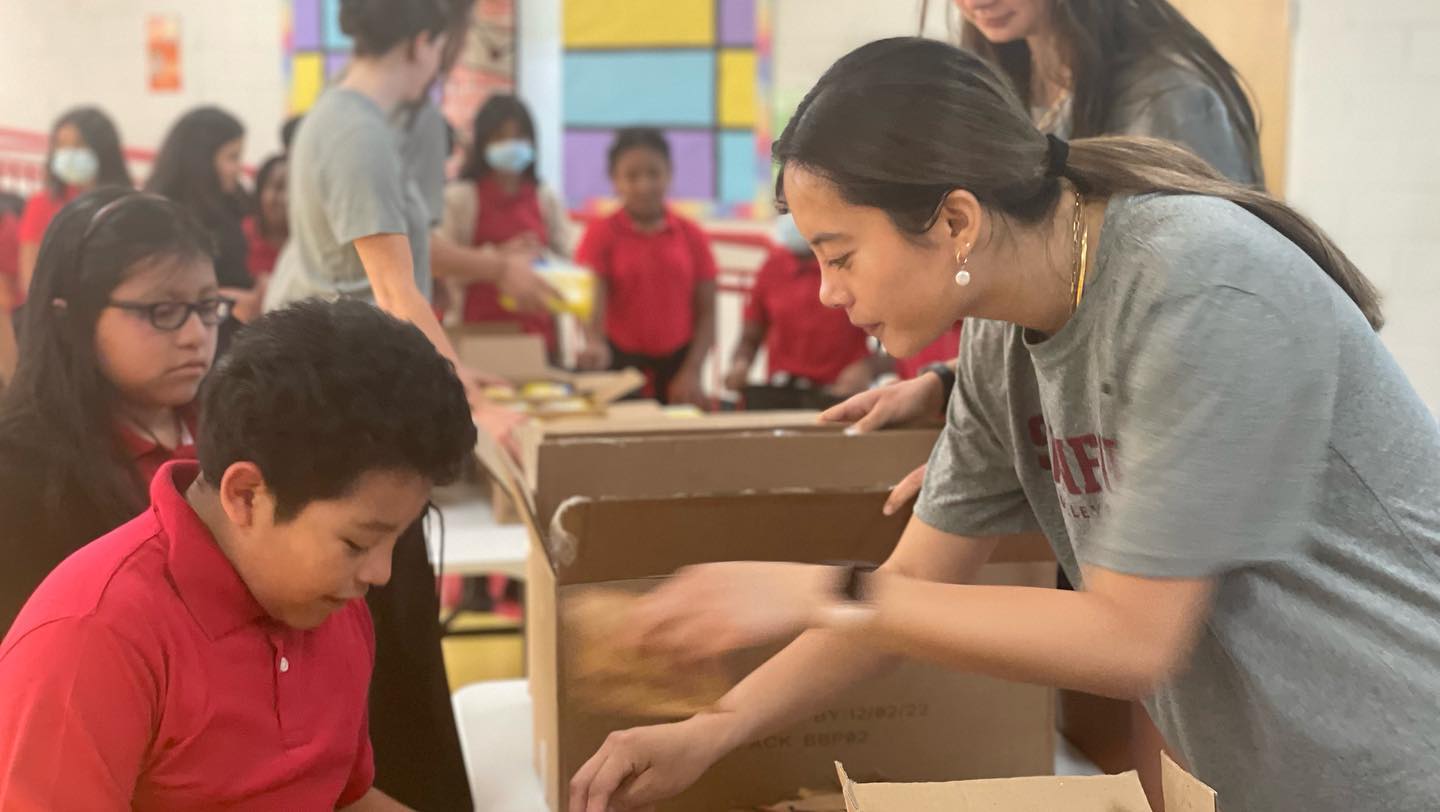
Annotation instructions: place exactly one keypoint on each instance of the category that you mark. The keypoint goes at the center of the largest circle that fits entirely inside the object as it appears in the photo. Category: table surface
(473, 544)
(495, 725)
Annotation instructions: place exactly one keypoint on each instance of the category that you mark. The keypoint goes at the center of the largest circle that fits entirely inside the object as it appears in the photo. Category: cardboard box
(661, 455)
(520, 359)
(902, 725)
(1105, 793)
(626, 505)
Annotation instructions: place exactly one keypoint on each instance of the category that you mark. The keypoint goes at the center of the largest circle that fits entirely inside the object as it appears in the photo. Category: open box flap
(1102, 793)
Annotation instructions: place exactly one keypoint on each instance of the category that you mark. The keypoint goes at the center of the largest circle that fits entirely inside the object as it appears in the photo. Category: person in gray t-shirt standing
(360, 220)
(1176, 379)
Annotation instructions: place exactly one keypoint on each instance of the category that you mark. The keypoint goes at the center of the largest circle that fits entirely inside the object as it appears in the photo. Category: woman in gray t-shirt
(1102, 67)
(1176, 379)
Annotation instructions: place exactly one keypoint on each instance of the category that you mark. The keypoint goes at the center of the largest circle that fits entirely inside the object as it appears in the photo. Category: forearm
(458, 263)
(821, 664)
(1082, 640)
(751, 339)
(388, 266)
(377, 801)
(704, 335)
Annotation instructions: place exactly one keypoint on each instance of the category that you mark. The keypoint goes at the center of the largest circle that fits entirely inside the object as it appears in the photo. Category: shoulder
(119, 578)
(1190, 242)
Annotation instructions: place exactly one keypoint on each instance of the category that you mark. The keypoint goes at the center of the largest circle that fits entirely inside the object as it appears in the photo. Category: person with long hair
(500, 208)
(1110, 67)
(120, 332)
(267, 227)
(1175, 378)
(84, 154)
(215, 652)
(199, 166)
(360, 224)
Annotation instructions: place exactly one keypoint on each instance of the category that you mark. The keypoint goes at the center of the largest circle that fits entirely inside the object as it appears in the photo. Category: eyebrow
(827, 236)
(378, 526)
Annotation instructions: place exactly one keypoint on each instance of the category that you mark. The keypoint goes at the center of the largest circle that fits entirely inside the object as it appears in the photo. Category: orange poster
(162, 46)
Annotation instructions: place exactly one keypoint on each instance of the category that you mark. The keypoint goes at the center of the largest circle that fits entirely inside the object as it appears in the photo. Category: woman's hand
(497, 421)
(707, 611)
(646, 765)
(899, 403)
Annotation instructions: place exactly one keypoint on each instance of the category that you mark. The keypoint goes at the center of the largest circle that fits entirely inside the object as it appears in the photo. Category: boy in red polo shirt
(808, 345)
(216, 650)
(655, 307)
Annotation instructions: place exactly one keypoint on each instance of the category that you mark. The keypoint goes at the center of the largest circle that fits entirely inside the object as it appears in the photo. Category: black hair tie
(1056, 157)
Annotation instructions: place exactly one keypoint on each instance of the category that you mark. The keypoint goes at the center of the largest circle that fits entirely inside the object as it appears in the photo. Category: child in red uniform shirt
(268, 226)
(84, 154)
(109, 367)
(805, 341)
(655, 304)
(215, 652)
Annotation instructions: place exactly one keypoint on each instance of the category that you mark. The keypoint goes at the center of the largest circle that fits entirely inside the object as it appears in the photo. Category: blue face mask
(514, 155)
(75, 166)
(787, 236)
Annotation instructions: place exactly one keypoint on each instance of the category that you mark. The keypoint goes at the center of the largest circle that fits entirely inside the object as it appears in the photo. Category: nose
(832, 292)
(375, 568)
(194, 332)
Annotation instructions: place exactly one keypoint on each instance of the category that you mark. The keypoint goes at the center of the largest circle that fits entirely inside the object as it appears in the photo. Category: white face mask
(788, 236)
(75, 166)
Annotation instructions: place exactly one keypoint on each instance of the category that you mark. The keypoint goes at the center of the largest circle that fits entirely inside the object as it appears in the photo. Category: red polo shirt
(650, 279)
(143, 674)
(148, 455)
(40, 209)
(804, 337)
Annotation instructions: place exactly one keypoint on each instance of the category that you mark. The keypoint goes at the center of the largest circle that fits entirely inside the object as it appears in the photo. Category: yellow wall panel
(639, 23)
(307, 79)
(737, 88)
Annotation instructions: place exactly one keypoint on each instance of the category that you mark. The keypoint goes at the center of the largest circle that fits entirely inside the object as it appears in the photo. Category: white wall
(62, 53)
(537, 78)
(1365, 108)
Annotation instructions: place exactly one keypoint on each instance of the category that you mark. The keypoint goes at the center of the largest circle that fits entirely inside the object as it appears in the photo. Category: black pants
(659, 370)
(412, 723)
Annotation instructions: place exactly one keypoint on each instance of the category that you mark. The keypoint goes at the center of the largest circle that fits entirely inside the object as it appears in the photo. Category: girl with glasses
(118, 334)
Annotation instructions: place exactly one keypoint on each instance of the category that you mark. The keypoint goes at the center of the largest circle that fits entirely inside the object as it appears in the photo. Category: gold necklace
(1081, 238)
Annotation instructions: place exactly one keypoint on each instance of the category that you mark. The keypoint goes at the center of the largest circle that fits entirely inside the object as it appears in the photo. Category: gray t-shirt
(1165, 97)
(1218, 407)
(347, 181)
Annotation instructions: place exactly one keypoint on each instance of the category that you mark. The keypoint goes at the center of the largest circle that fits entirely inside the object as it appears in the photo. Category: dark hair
(100, 135)
(262, 176)
(497, 111)
(638, 138)
(287, 132)
(376, 26)
(900, 123)
(59, 404)
(319, 393)
(185, 168)
(1100, 40)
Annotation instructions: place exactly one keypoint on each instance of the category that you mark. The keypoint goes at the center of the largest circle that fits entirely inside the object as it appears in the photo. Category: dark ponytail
(900, 123)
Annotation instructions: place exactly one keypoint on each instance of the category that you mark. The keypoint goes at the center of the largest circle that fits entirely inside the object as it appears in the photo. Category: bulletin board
(696, 69)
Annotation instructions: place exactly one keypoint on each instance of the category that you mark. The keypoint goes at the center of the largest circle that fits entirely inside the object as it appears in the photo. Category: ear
(960, 216)
(244, 496)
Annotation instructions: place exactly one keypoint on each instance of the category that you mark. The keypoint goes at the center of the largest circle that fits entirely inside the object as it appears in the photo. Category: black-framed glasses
(170, 316)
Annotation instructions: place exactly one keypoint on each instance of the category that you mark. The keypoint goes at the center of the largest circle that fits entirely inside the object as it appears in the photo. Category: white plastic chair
(495, 725)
